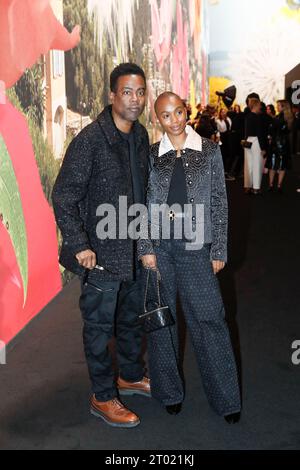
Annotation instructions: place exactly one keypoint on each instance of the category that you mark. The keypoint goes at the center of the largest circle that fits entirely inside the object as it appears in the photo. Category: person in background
(279, 156)
(236, 136)
(194, 122)
(237, 109)
(296, 130)
(224, 125)
(266, 122)
(249, 97)
(271, 110)
(254, 133)
(205, 128)
(188, 108)
(212, 112)
(199, 111)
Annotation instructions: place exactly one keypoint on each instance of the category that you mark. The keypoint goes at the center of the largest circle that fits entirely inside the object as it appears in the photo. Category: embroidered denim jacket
(205, 184)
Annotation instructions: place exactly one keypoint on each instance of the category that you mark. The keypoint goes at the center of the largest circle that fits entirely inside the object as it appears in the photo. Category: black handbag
(158, 318)
(245, 144)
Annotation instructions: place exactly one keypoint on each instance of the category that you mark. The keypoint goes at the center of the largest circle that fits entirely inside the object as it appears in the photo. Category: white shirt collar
(193, 142)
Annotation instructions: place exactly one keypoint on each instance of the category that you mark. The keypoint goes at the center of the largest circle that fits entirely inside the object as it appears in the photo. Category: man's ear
(112, 97)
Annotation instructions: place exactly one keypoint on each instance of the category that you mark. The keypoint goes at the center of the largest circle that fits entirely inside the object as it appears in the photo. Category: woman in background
(254, 133)
(224, 125)
(279, 155)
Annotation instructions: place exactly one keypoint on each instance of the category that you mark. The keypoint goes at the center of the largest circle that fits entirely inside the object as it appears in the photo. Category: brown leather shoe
(134, 388)
(114, 413)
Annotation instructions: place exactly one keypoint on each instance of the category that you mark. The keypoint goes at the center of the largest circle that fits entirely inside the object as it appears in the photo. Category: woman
(224, 125)
(267, 122)
(205, 128)
(255, 135)
(236, 136)
(187, 169)
(271, 110)
(279, 155)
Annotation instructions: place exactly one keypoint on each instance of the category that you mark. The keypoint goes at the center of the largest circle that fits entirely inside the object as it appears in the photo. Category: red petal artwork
(29, 273)
(44, 280)
(30, 22)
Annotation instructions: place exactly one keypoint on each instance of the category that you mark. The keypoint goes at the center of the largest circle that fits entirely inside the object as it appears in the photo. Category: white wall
(254, 44)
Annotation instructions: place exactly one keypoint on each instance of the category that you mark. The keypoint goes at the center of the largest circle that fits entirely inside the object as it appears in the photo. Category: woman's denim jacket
(205, 185)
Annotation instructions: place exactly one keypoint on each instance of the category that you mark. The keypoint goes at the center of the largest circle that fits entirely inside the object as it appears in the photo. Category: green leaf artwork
(11, 213)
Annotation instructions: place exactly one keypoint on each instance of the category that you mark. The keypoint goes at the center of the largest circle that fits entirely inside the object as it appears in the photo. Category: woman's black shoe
(174, 409)
(233, 418)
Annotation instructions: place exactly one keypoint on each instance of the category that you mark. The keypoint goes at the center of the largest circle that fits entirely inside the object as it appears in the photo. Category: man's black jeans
(111, 308)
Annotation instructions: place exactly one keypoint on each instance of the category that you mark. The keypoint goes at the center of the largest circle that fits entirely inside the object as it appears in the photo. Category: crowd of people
(258, 140)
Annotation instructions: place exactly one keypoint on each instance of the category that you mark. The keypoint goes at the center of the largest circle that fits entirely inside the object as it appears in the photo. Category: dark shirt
(205, 127)
(138, 190)
(254, 127)
(238, 123)
(177, 192)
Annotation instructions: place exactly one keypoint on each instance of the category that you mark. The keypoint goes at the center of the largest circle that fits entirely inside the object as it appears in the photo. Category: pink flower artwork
(161, 20)
(195, 14)
(180, 59)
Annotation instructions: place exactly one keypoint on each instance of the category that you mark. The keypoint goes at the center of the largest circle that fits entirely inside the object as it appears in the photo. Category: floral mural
(167, 37)
(47, 96)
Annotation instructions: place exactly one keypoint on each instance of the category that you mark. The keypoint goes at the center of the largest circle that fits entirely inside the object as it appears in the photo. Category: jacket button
(192, 200)
(190, 182)
(193, 218)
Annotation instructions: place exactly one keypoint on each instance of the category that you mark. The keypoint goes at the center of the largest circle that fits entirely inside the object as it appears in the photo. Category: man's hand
(218, 266)
(149, 261)
(263, 153)
(87, 259)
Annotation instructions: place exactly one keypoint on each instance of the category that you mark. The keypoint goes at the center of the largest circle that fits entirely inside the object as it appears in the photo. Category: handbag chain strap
(157, 285)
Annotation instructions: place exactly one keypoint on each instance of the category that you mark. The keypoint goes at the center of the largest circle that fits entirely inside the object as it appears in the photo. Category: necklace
(178, 150)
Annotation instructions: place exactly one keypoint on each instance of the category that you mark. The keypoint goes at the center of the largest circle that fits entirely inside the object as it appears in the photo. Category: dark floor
(45, 388)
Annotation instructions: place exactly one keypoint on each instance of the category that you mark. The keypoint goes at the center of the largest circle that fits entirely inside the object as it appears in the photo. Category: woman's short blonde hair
(253, 102)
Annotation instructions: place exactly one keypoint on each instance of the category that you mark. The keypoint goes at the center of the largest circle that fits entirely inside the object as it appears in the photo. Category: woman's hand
(218, 266)
(149, 261)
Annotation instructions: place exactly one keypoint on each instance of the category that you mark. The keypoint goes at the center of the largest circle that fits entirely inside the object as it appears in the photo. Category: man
(108, 159)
